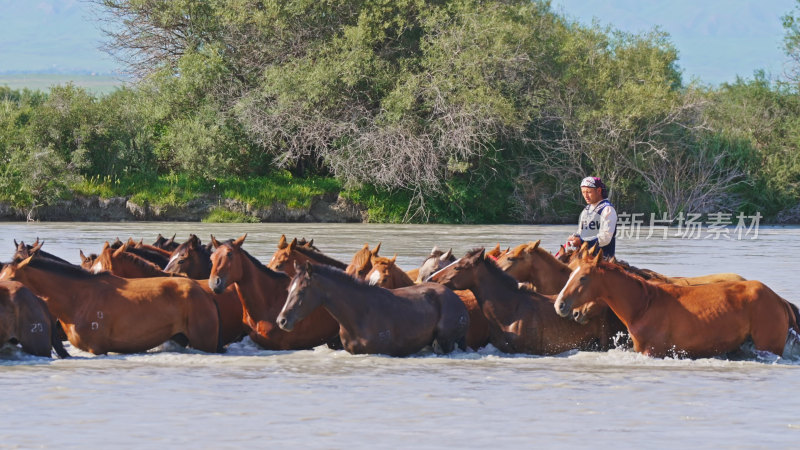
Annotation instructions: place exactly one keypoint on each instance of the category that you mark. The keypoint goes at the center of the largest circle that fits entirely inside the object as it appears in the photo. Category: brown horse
(386, 274)
(691, 321)
(521, 321)
(87, 261)
(361, 264)
(25, 319)
(288, 255)
(128, 265)
(372, 319)
(103, 313)
(191, 258)
(124, 264)
(263, 293)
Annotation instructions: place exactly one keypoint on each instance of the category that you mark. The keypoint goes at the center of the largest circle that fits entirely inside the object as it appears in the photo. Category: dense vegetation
(429, 111)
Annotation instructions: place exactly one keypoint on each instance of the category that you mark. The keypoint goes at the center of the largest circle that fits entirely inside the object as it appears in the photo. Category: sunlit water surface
(330, 399)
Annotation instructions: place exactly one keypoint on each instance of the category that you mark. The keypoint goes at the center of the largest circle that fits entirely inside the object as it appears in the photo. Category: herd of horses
(131, 297)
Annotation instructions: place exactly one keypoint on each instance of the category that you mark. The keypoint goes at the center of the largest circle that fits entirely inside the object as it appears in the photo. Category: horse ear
(310, 244)
(105, 246)
(121, 250)
(238, 242)
(536, 244)
(496, 248)
(435, 249)
(293, 244)
(15, 243)
(374, 251)
(214, 242)
(309, 268)
(36, 246)
(517, 251)
(394, 258)
(597, 258)
(613, 259)
(282, 242)
(83, 257)
(447, 255)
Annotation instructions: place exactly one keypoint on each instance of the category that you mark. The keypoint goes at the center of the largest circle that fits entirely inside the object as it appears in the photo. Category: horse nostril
(282, 321)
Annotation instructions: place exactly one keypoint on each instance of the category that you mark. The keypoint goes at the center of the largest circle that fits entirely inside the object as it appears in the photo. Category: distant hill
(96, 84)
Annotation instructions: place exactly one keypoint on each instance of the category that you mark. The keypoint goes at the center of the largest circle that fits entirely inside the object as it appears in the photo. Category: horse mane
(66, 269)
(645, 274)
(320, 257)
(610, 266)
(272, 273)
(545, 253)
(141, 262)
(340, 275)
(361, 258)
(504, 277)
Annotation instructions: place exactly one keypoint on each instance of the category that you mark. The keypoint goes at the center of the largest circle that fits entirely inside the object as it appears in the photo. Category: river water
(330, 399)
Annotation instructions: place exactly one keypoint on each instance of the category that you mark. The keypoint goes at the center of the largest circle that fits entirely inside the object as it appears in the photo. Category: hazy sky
(716, 39)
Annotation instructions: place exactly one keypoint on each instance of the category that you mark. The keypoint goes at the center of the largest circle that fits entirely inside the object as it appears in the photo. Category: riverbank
(328, 207)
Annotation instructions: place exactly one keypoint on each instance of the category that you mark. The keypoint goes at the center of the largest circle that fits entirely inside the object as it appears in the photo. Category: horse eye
(583, 279)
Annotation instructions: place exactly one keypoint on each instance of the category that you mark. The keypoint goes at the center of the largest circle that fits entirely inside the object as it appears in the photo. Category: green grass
(177, 190)
(220, 215)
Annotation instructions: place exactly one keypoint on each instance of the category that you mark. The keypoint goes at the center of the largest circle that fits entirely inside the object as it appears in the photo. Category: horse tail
(796, 312)
(220, 342)
(55, 340)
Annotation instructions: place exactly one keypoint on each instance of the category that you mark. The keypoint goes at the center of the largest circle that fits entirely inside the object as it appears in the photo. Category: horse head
(226, 264)
(303, 298)
(435, 261)
(579, 288)
(361, 264)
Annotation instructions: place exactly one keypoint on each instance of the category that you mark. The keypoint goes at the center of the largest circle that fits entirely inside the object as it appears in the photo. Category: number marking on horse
(37, 327)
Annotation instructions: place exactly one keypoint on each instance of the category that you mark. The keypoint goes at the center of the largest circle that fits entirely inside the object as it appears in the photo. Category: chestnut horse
(25, 319)
(191, 258)
(521, 321)
(127, 265)
(386, 274)
(293, 253)
(372, 319)
(103, 313)
(691, 321)
(263, 293)
(361, 264)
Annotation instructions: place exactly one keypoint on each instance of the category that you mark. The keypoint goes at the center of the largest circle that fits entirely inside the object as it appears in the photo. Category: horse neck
(344, 301)
(400, 278)
(495, 295)
(556, 271)
(263, 294)
(627, 295)
(134, 269)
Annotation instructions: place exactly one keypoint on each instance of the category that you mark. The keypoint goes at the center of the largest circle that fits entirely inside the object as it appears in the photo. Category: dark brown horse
(103, 313)
(386, 274)
(25, 320)
(263, 293)
(24, 251)
(164, 243)
(191, 258)
(687, 321)
(372, 319)
(361, 264)
(288, 255)
(128, 265)
(521, 321)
